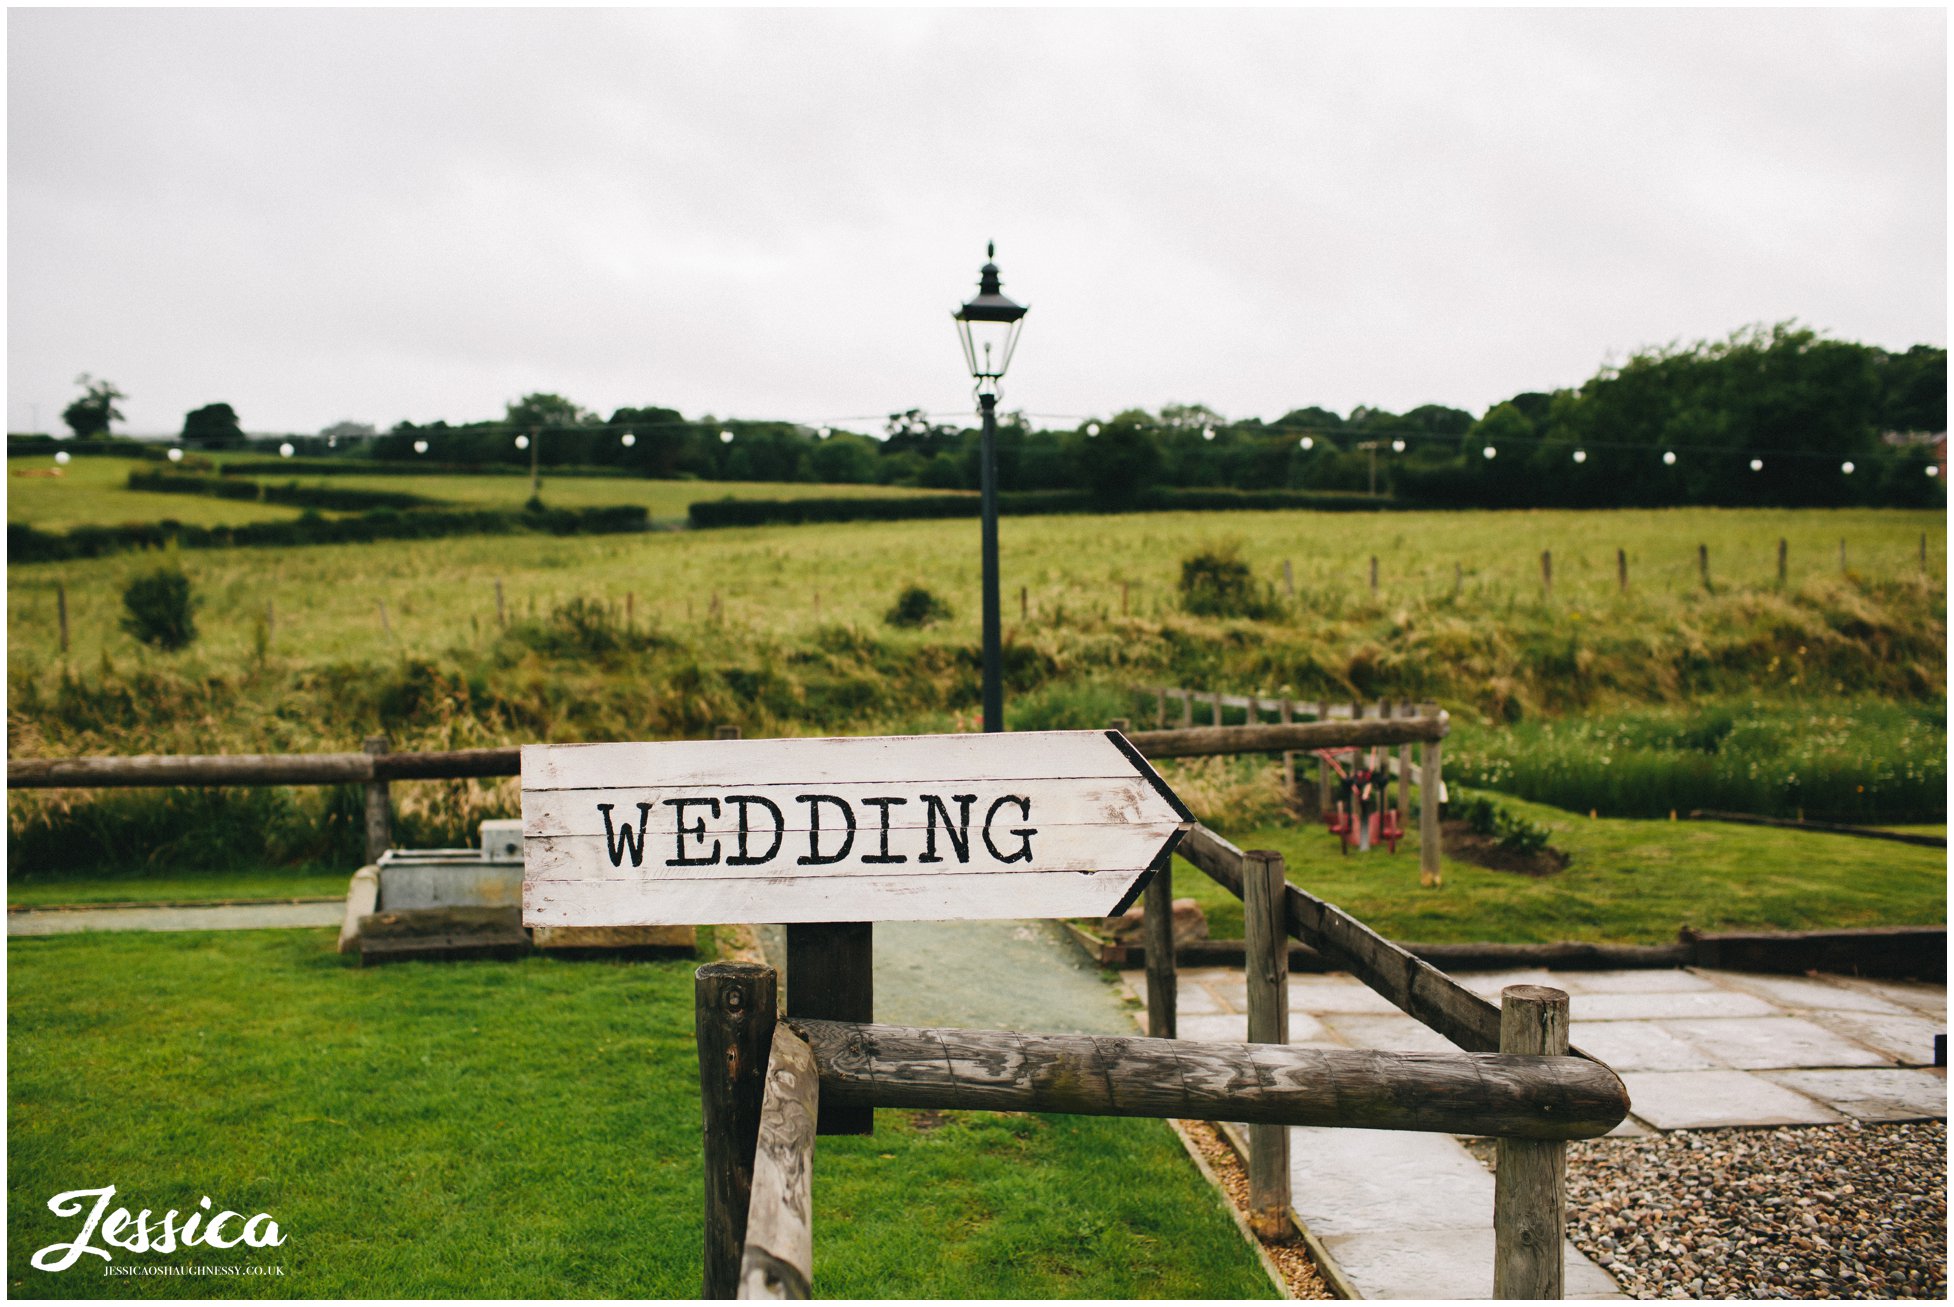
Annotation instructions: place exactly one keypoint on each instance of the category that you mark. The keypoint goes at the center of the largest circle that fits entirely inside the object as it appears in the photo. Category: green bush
(916, 606)
(161, 609)
(1218, 582)
(1516, 834)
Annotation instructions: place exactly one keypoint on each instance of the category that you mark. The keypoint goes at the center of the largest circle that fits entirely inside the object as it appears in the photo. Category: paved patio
(1410, 1215)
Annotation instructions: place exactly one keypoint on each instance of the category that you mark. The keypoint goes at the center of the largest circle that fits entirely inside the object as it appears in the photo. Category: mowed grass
(517, 1130)
(783, 584)
(95, 492)
(1629, 882)
(184, 888)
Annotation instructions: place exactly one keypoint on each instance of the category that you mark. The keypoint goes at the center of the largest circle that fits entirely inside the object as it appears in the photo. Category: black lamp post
(989, 327)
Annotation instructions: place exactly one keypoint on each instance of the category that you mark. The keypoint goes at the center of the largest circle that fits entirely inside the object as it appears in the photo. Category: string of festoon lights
(1399, 442)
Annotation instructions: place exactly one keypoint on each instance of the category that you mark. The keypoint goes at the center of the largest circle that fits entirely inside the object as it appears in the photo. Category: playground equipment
(1361, 814)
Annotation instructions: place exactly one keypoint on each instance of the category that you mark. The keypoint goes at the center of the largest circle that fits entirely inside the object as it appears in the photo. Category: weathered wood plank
(1274, 737)
(734, 1014)
(1530, 1183)
(1266, 937)
(1097, 1075)
(778, 1261)
(379, 806)
(1430, 785)
(1163, 984)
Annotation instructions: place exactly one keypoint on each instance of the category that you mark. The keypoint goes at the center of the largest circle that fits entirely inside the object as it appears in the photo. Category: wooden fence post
(1325, 799)
(1923, 551)
(1124, 590)
(831, 977)
(1265, 939)
(379, 805)
(735, 1008)
(778, 1259)
(1530, 1184)
(1289, 576)
(725, 732)
(385, 625)
(1216, 696)
(1187, 709)
(61, 611)
(1842, 566)
(1024, 603)
(1547, 571)
(1373, 576)
(1621, 569)
(1404, 769)
(1163, 982)
(1163, 710)
(1458, 576)
(1429, 874)
(1703, 565)
(1289, 787)
(1781, 560)
(501, 612)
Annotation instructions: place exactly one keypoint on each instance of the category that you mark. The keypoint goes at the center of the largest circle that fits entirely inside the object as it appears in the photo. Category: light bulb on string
(420, 446)
(1757, 465)
(1846, 467)
(522, 442)
(1489, 452)
(628, 439)
(1397, 446)
(1669, 457)
(725, 437)
(1580, 456)
(1307, 442)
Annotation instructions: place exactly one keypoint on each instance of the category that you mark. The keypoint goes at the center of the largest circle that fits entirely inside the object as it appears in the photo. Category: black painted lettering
(696, 831)
(884, 855)
(621, 842)
(958, 831)
(1024, 833)
(743, 802)
(816, 858)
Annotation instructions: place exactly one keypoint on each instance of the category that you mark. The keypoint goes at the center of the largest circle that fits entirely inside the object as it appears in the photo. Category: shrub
(1217, 582)
(916, 606)
(161, 608)
(1516, 834)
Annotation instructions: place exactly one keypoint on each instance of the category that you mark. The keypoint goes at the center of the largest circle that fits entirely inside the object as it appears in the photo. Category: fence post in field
(1265, 939)
(1163, 710)
(501, 611)
(1428, 785)
(735, 1008)
(1842, 566)
(1187, 708)
(379, 805)
(385, 625)
(1121, 724)
(1024, 603)
(1325, 800)
(1782, 547)
(1289, 576)
(1923, 551)
(725, 732)
(1621, 569)
(271, 620)
(1289, 787)
(1373, 576)
(1163, 982)
(630, 602)
(1404, 769)
(1703, 565)
(1530, 1184)
(1458, 576)
(778, 1261)
(61, 611)
(1216, 696)
(1125, 588)
(1547, 571)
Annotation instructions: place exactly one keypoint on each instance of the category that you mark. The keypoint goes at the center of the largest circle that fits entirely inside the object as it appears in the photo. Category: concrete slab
(1908, 1040)
(1771, 1043)
(1335, 993)
(1197, 1000)
(1346, 1181)
(1640, 1046)
(240, 916)
(1665, 1006)
(1652, 981)
(1305, 1031)
(991, 975)
(1689, 1100)
(1488, 984)
(1929, 1001)
(1399, 1034)
(1884, 1095)
(1444, 1265)
(1801, 993)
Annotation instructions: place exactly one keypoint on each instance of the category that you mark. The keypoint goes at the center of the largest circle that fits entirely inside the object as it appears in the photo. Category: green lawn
(95, 492)
(1629, 882)
(520, 1130)
(175, 888)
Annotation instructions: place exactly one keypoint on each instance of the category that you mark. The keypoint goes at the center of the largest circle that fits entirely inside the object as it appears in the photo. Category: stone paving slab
(1699, 1100)
(1395, 1034)
(1664, 980)
(1928, 1000)
(1772, 1043)
(1385, 1180)
(1881, 1095)
(1639, 1046)
(1305, 1031)
(1445, 1264)
(1667, 1006)
(1805, 993)
(236, 916)
(1908, 1040)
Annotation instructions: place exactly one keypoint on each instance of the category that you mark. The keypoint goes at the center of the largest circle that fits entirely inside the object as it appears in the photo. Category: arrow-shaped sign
(878, 828)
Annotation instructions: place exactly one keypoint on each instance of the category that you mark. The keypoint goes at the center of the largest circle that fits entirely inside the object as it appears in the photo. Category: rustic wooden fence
(1399, 764)
(377, 766)
(765, 1080)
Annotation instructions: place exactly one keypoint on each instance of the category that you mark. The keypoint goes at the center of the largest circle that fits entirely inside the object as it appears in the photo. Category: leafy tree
(844, 459)
(91, 414)
(214, 426)
(1190, 417)
(348, 431)
(545, 412)
(1121, 463)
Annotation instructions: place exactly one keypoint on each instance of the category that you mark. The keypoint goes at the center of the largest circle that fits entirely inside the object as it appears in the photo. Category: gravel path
(1839, 1211)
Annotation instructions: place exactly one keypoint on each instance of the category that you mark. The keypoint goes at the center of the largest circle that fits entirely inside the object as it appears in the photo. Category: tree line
(1770, 415)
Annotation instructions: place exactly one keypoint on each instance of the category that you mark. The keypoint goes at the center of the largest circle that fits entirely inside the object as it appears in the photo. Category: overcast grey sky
(378, 215)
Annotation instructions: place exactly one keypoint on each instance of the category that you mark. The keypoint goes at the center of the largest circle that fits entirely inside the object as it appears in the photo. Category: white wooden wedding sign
(879, 828)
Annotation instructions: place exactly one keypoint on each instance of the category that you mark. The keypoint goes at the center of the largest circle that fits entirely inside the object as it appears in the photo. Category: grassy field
(523, 1130)
(94, 491)
(1628, 882)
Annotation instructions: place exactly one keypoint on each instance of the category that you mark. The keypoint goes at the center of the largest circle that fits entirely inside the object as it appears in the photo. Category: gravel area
(1838, 1211)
